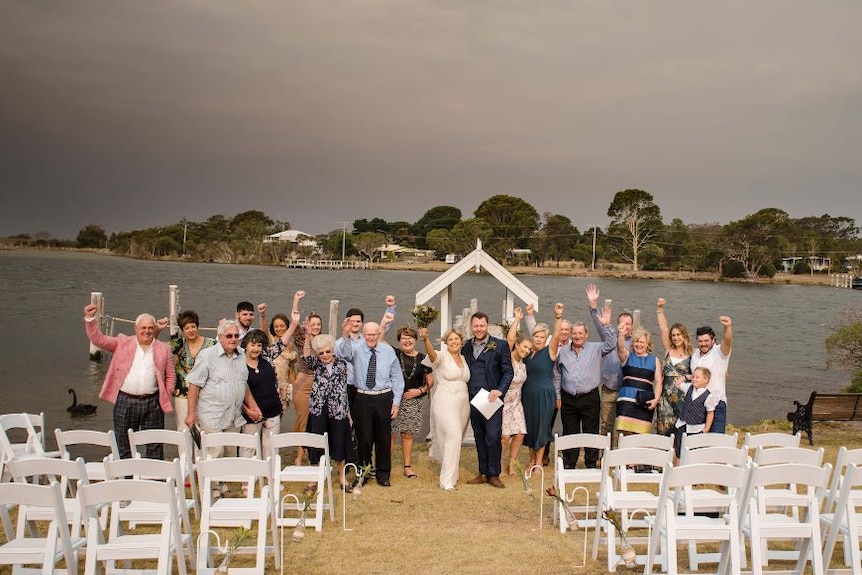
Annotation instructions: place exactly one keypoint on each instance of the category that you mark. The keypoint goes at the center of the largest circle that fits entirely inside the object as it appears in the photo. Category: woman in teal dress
(676, 366)
(538, 395)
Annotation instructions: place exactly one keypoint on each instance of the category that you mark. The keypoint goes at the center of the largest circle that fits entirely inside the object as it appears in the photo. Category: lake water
(778, 351)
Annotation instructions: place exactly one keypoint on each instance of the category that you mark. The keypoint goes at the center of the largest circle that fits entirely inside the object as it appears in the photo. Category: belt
(147, 396)
(581, 394)
(373, 392)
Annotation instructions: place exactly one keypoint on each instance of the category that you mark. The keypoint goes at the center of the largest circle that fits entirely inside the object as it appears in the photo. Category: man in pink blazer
(139, 381)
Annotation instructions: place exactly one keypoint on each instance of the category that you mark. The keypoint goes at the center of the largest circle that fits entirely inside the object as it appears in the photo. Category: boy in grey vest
(698, 409)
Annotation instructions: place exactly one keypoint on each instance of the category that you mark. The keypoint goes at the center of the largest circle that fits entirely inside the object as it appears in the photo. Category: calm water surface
(778, 353)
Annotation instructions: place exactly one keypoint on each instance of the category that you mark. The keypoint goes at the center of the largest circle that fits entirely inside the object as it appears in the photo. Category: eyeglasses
(325, 352)
(231, 335)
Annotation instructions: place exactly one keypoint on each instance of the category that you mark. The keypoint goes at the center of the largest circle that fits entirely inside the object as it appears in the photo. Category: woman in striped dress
(640, 389)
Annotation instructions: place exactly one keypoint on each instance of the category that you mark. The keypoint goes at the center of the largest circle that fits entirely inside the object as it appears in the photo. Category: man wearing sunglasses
(218, 383)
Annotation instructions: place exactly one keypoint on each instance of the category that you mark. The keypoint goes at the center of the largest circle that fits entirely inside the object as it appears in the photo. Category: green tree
(512, 221)
(466, 232)
(441, 241)
(844, 346)
(92, 236)
(555, 239)
(437, 218)
(367, 243)
(635, 223)
(757, 240)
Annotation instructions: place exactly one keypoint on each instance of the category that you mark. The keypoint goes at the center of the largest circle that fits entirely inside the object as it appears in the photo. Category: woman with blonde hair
(677, 368)
(641, 386)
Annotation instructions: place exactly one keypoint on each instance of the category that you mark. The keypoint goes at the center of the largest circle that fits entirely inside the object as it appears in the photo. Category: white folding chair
(701, 521)
(845, 458)
(770, 440)
(564, 477)
(140, 512)
(182, 442)
(320, 474)
(237, 511)
(618, 492)
(118, 544)
(701, 440)
(845, 520)
(648, 440)
(22, 435)
(761, 524)
(91, 438)
(58, 544)
(69, 475)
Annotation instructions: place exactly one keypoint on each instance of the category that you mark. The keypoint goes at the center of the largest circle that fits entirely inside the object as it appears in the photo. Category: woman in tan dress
(303, 378)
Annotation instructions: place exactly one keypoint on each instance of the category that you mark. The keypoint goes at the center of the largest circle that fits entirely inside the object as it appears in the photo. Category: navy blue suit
(491, 370)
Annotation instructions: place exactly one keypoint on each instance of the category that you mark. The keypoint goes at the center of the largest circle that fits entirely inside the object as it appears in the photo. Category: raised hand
(299, 294)
(530, 309)
(660, 303)
(519, 314)
(390, 300)
(90, 310)
(162, 323)
(261, 308)
(423, 333)
(558, 310)
(592, 294)
(725, 320)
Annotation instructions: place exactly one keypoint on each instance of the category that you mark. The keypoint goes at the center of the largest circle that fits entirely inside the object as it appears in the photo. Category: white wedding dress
(450, 414)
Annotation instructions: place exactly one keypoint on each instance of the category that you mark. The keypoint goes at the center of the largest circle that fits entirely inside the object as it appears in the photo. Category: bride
(450, 406)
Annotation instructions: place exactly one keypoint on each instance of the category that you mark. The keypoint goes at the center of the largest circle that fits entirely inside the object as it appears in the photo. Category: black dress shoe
(383, 482)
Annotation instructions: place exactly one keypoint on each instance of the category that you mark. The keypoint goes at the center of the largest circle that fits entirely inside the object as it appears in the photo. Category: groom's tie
(371, 376)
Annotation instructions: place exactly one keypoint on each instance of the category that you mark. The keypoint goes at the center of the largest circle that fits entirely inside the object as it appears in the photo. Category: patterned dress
(513, 411)
(635, 390)
(409, 418)
(672, 399)
(328, 410)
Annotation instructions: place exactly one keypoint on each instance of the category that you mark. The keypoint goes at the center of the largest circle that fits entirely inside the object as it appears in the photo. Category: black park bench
(825, 407)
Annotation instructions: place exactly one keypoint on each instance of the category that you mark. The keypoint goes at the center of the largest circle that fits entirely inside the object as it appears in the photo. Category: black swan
(80, 408)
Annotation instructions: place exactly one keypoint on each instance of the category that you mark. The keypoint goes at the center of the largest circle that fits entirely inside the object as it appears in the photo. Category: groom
(490, 363)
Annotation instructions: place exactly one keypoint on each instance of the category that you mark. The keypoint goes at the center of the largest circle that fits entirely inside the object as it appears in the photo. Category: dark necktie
(371, 376)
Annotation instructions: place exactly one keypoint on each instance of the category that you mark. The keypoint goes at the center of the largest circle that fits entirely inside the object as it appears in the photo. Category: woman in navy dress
(640, 389)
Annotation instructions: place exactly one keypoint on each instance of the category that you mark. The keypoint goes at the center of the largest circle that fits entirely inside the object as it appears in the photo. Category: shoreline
(606, 270)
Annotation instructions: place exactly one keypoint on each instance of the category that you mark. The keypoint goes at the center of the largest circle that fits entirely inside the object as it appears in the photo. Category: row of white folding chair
(116, 543)
(25, 546)
(747, 501)
(769, 440)
(841, 516)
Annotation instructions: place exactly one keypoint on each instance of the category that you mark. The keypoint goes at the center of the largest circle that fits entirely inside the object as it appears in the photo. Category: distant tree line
(635, 234)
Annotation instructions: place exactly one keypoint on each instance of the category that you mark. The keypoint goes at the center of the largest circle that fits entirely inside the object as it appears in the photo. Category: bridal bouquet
(425, 315)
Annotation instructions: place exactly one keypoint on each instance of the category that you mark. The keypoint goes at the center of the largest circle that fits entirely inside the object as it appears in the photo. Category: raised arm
(291, 329)
(429, 348)
(512, 334)
(388, 315)
(622, 351)
(261, 314)
(529, 318)
(663, 329)
(554, 346)
(727, 339)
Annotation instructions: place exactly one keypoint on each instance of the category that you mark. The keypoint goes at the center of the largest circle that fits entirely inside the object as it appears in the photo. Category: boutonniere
(492, 345)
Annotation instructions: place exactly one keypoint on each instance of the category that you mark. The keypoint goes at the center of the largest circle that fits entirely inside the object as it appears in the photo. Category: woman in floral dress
(678, 349)
(514, 424)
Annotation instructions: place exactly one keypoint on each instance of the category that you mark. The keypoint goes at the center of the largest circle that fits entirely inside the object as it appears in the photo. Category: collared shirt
(479, 347)
(716, 362)
(141, 379)
(580, 372)
(388, 375)
(612, 370)
(223, 380)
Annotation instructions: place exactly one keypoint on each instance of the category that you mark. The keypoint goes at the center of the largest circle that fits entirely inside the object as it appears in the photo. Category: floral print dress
(671, 402)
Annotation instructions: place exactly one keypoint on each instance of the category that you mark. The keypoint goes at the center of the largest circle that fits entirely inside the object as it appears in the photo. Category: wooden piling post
(334, 324)
(97, 299)
(173, 307)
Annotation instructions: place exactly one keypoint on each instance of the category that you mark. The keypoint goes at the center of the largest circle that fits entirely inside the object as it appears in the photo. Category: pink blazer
(123, 347)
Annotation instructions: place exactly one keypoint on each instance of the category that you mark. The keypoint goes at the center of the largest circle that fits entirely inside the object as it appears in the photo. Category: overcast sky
(131, 114)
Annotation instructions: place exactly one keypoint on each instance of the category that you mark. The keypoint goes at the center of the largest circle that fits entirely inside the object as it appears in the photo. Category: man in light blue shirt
(379, 384)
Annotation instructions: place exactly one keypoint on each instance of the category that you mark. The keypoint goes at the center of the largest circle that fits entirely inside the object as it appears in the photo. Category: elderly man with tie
(379, 383)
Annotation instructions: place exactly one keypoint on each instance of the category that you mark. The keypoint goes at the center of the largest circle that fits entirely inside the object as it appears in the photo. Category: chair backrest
(70, 437)
(685, 476)
(580, 440)
(616, 463)
(648, 440)
(143, 468)
(69, 474)
(814, 478)
(218, 469)
(846, 503)
(846, 458)
(181, 440)
(228, 439)
(701, 440)
(768, 440)
(18, 434)
(733, 456)
(27, 495)
(775, 455)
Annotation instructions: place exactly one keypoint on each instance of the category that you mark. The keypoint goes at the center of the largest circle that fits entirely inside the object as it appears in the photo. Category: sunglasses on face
(231, 336)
